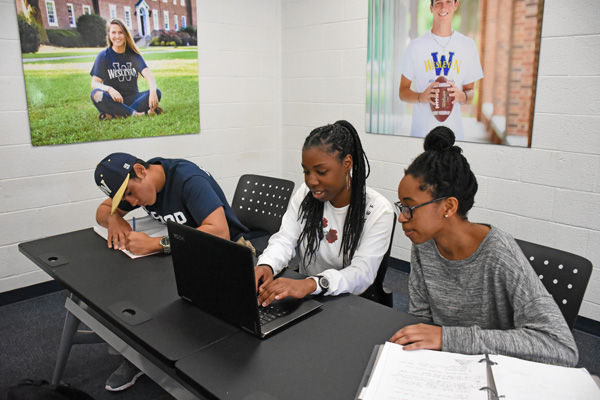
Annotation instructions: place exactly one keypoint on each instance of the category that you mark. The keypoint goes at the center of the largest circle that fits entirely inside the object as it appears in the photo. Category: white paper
(147, 225)
(426, 374)
(527, 380)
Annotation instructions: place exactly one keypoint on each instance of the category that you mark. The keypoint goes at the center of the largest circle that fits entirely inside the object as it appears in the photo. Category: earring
(446, 216)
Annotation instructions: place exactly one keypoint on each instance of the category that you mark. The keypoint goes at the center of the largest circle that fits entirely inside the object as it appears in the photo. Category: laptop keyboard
(269, 313)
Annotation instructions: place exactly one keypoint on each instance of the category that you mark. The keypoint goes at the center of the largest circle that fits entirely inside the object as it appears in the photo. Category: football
(443, 104)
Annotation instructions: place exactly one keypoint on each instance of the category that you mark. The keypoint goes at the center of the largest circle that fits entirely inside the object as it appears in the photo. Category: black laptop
(217, 275)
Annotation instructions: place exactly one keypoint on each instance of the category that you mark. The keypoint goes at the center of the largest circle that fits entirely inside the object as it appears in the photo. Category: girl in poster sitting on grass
(114, 78)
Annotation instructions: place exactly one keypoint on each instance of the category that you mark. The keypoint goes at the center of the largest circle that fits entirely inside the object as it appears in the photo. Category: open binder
(395, 374)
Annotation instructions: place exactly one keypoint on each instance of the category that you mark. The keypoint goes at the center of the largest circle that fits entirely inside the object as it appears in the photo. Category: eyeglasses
(408, 211)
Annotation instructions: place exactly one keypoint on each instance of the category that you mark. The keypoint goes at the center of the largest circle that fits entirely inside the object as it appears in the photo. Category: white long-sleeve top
(374, 242)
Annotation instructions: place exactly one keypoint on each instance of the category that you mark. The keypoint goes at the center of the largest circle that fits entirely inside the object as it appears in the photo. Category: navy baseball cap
(112, 176)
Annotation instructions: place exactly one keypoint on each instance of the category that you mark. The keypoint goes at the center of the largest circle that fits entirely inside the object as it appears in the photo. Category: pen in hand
(134, 224)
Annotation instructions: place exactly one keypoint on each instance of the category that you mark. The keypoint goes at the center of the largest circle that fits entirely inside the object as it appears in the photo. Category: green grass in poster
(61, 112)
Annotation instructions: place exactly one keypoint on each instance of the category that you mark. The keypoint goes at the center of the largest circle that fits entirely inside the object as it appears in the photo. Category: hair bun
(441, 138)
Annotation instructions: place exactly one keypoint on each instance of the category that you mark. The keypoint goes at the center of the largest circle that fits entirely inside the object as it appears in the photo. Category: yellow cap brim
(116, 200)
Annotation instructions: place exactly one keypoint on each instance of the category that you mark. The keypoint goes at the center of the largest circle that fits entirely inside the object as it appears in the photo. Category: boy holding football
(439, 52)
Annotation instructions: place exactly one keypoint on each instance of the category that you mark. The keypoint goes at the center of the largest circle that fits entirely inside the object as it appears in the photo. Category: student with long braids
(470, 281)
(341, 227)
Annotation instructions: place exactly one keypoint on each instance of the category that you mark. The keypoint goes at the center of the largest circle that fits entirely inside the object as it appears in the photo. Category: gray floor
(30, 332)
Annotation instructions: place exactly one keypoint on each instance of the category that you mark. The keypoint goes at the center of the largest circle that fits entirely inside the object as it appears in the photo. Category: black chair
(259, 203)
(376, 292)
(565, 276)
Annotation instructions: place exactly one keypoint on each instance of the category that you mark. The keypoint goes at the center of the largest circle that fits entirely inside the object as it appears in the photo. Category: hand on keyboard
(284, 287)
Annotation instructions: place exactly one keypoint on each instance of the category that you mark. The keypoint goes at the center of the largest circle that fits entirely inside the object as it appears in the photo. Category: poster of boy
(99, 71)
(487, 50)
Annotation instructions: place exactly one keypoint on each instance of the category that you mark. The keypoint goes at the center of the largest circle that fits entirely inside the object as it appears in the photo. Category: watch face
(324, 283)
(166, 244)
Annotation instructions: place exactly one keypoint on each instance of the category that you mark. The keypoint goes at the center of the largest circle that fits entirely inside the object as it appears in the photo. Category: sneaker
(123, 378)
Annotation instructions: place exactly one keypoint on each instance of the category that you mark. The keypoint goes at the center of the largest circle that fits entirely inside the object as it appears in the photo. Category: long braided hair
(444, 171)
(340, 139)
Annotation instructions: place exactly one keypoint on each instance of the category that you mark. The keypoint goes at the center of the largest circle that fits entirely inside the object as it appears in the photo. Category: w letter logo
(122, 72)
(104, 187)
(442, 63)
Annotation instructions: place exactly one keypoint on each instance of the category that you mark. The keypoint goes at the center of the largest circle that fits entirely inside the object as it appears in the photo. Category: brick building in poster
(510, 43)
(144, 18)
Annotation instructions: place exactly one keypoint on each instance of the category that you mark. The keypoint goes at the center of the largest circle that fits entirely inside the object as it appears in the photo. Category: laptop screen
(215, 274)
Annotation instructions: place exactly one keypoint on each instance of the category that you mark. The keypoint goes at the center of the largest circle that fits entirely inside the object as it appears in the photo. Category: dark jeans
(131, 103)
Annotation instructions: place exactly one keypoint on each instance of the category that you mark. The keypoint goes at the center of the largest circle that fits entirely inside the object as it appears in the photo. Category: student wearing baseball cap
(167, 189)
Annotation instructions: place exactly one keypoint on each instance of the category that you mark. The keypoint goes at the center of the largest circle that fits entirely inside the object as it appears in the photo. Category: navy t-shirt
(119, 70)
(189, 196)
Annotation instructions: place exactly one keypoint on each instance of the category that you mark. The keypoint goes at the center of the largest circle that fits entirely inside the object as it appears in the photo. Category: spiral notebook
(393, 374)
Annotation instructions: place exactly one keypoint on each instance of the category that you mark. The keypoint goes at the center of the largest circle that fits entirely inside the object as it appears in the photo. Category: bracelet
(466, 98)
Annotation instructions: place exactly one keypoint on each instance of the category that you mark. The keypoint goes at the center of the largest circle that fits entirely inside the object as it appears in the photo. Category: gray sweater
(491, 302)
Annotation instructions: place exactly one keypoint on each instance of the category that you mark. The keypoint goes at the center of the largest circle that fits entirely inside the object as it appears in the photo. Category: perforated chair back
(565, 276)
(376, 292)
(260, 202)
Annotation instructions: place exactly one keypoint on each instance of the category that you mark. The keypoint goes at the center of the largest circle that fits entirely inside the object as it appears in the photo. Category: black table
(321, 357)
(164, 329)
(134, 306)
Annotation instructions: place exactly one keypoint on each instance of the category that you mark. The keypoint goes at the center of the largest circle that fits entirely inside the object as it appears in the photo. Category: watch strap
(324, 288)
(318, 289)
(166, 244)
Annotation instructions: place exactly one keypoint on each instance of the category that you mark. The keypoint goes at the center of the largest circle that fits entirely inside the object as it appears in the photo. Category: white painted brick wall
(560, 236)
(269, 72)
(346, 35)
(323, 12)
(49, 190)
(560, 169)
(293, 137)
(585, 50)
(504, 221)
(293, 14)
(324, 63)
(570, 18)
(570, 87)
(577, 208)
(520, 198)
(549, 194)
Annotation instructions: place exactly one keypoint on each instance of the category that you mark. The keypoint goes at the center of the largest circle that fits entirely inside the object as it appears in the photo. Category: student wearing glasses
(470, 281)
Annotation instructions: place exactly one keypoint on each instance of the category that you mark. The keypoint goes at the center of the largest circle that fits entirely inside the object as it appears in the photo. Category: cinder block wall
(272, 70)
(549, 194)
(50, 189)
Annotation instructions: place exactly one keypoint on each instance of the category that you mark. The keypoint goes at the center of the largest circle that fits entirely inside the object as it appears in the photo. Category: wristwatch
(166, 244)
(323, 283)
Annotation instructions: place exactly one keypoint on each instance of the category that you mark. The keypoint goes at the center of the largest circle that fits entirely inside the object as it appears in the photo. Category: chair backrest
(565, 276)
(260, 202)
(376, 292)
